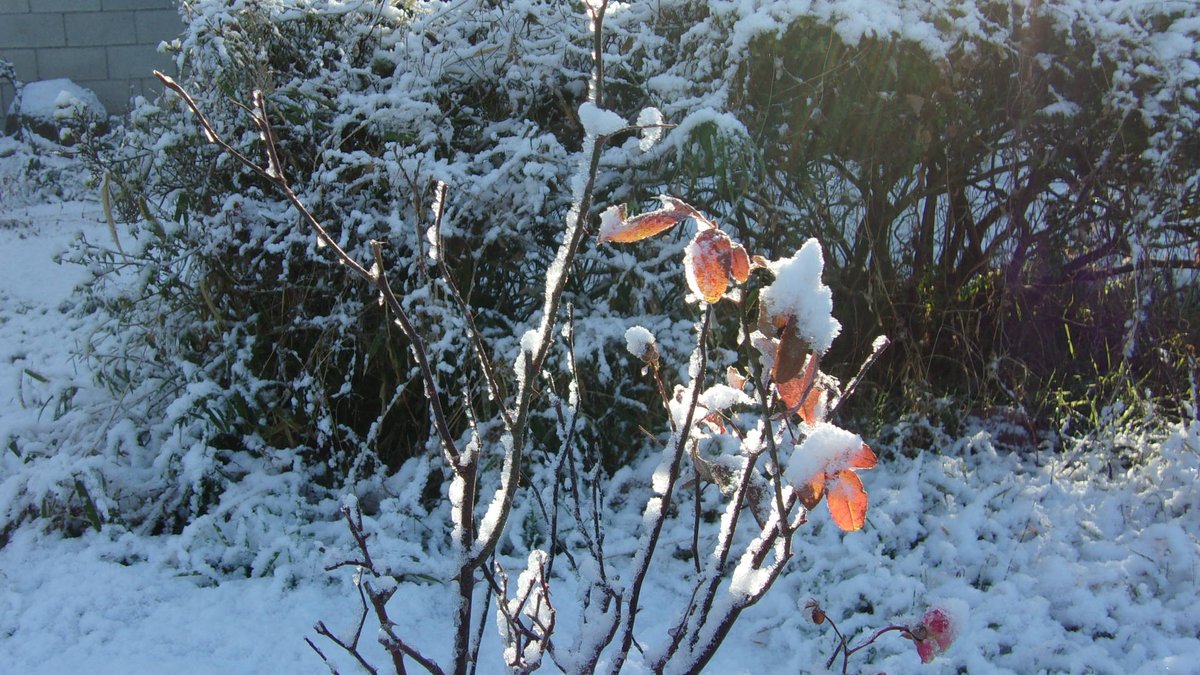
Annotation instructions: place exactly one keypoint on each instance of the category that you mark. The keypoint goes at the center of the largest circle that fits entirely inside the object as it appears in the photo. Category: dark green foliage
(978, 204)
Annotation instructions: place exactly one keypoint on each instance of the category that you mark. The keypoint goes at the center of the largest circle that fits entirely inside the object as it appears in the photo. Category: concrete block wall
(108, 46)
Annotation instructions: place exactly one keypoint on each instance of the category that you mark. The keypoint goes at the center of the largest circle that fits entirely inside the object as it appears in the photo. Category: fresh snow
(651, 122)
(826, 447)
(1063, 568)
(797, 292)
(1067, 560)
(48, 100)
(598, 121)
(611, 220)
(638, 340)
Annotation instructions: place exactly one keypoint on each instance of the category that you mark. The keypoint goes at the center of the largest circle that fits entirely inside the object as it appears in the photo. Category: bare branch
(660, 503)
(879, 346)
(275, 176)
(495, 386)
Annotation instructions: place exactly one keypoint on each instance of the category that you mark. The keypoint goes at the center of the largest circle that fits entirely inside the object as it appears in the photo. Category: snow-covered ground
(1064, 567)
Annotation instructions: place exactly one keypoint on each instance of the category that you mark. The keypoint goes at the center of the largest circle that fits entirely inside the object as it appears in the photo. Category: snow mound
(50, 101)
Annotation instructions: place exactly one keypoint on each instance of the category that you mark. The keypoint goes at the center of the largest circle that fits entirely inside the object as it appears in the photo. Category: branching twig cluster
(374, 590)
(750, 480)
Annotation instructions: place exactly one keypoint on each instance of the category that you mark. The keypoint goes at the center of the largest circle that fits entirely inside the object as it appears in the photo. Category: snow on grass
(97, 605)
(1063, 571)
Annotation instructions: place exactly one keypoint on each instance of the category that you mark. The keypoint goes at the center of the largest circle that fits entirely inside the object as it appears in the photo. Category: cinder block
(152, 88)
(14, 6)
(100, 29)
(135, 62)
(114, 94)
(77, 63)
(65, 5)
(25, 61)
(32, 30)
(139, 4)
(154, 26)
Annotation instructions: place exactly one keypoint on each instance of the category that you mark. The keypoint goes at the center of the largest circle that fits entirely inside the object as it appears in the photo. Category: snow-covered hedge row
(924, 143)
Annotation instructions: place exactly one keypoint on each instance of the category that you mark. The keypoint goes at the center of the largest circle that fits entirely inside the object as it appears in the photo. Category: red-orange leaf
(739, 264)
(624, 230)
(810, 493)
(707, 264)
(864, 458)
(847, 501)
(808, 410)
(790, 392)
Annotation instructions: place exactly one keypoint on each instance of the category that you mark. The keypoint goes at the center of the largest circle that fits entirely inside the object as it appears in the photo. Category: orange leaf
(847, 501)
(790, 357)
(642, 226)
(808, 411)
(811, 493)
(790, 392)
(864, 458)
(739, 265)
(707, 264)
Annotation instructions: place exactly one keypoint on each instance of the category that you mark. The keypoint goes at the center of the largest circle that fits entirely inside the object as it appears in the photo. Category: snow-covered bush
(781, 379)
(941, 154)
(39, 166)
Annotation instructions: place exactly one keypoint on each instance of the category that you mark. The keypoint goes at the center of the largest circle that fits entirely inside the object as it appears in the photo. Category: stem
(650, 539)
(757, 553)
(495, 387)
(693, 620)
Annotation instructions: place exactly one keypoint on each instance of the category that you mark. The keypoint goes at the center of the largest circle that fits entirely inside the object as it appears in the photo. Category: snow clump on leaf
(640, 342)
(598, 121)
(651, 121)
(797, 293)
(824, 466)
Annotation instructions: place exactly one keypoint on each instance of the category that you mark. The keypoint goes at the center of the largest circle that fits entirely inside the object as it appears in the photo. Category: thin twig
(881, 343)
(332, 669)
(495, 386)
(663, 500)
(274, 174)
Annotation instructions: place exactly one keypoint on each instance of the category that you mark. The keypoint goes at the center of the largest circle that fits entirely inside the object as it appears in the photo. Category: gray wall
(108, 46)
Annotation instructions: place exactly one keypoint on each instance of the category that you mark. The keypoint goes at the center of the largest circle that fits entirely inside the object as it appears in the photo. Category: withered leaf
(811, 492)
(790, 357)
(707, 264)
